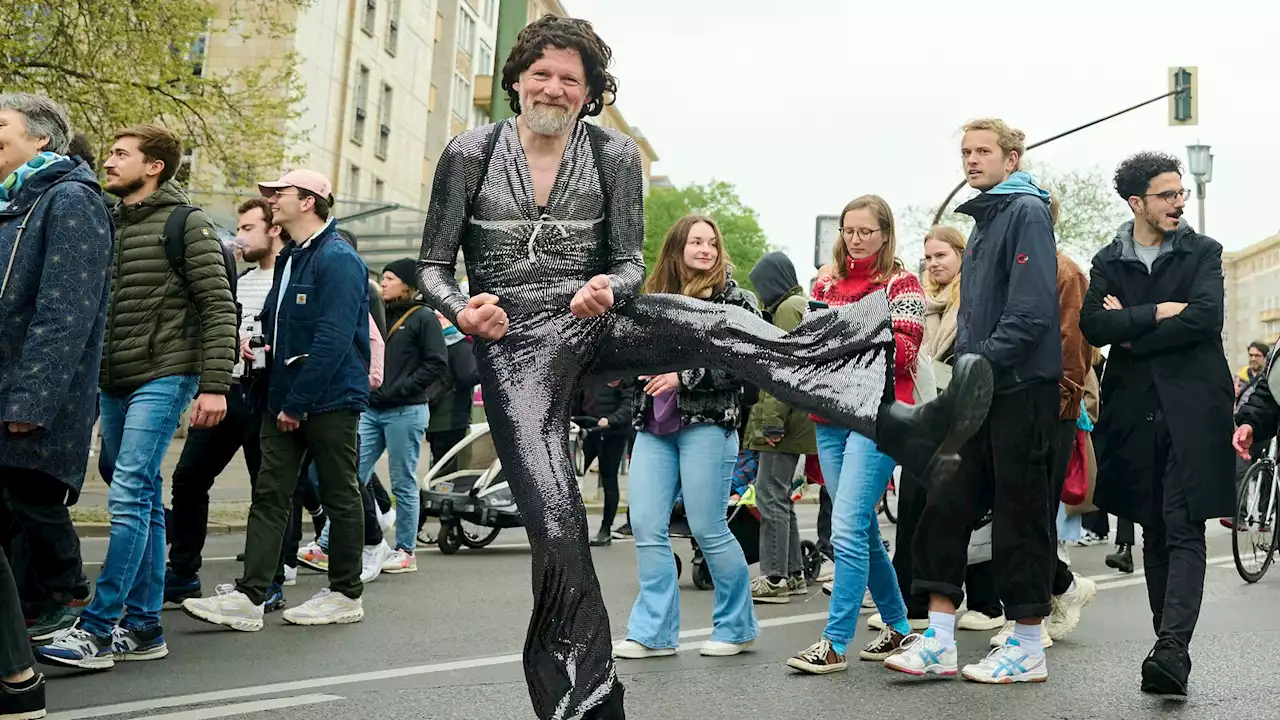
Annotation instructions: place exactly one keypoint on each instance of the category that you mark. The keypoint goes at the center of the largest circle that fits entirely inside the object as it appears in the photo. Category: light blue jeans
(700, 458)
(136, 431)
(856, 475)
(400, 432)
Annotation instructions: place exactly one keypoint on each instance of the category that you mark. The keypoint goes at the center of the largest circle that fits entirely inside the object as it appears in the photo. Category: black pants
(1006, 467)
(205, 455)
(305, 496)
(824, 524)
(1097, 522)
(610, 447)
(15, 649)
(441, 443)
(1173, 547)
(39, 536)
(1063, 442)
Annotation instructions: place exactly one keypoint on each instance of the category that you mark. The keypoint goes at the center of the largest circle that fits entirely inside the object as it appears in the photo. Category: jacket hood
(1122, 246)
(1019, 183)
(68, 170)
(774, 276)
(169, 193)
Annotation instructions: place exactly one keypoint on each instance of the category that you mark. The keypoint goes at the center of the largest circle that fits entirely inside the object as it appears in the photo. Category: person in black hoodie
(415, 371)
(612, 407)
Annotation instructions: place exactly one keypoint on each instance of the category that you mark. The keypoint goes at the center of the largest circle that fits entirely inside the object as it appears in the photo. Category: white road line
(223, 711)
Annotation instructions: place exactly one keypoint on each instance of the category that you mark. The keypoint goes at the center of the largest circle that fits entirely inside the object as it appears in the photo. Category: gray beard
(546, 120)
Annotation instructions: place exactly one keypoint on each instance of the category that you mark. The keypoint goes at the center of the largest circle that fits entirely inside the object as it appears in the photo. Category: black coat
(1176, 366)
(616, 403)
(415, 367)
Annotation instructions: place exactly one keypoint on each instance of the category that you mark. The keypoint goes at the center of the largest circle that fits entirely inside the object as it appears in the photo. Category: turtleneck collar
(861, 267)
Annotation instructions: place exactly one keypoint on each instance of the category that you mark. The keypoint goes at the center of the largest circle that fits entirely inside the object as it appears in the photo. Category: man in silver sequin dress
(549, 213)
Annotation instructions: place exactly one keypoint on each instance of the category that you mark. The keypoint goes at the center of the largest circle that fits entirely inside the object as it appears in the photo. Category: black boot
(603, 538)
(1121, 559)
(1166, 669)
(926, 439)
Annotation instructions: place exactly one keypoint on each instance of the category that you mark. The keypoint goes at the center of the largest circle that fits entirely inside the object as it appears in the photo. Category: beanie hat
(405, 269)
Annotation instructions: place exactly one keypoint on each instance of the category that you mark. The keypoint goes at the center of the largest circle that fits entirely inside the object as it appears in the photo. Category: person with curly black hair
(1163, 440)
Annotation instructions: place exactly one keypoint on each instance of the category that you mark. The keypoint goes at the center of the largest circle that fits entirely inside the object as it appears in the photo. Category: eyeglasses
(862, 233)
(1171, 196)
(278, 193)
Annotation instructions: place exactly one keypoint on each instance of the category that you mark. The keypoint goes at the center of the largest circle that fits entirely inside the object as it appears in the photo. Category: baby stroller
(744, 523)
(477, 496)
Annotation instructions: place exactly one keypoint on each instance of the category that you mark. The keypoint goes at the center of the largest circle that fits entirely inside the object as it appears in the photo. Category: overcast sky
(806, 105)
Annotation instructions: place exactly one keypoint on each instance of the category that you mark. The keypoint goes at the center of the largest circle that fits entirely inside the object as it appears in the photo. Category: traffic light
(1184, 103)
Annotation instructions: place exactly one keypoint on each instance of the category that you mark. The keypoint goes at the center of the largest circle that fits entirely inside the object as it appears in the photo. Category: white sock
(943, 626)
(1072, 588)
(1028, 637)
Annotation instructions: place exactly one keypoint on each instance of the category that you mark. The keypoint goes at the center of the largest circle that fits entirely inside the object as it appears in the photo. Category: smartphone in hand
(818, 305)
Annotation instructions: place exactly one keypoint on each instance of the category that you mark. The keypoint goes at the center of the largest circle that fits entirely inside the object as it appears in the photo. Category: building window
(379, 190)
(490, 7)
(466, 31)
(370, 16)
(384, 122)
(353, 182)
(393, 26)
(439, 28)
(431, 100)
(461, 97)
(362, 105)
(183, 176)
(199, 51)
(484, 63)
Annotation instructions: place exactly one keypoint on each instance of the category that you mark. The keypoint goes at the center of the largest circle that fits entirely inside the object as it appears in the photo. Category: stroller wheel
(812, 560)
(702, 576)
(450, 540)
(479, 536)
(679, 566)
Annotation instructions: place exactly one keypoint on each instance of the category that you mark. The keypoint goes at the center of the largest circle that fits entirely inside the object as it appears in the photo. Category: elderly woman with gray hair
(55, 250)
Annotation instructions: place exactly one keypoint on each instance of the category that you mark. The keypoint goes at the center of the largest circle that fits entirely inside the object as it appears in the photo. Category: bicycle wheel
(890, 504)
(1254, 535)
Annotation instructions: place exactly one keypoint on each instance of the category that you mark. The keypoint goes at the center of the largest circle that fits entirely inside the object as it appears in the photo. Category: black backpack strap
(598, 138)
(484, 164)
(175, 242)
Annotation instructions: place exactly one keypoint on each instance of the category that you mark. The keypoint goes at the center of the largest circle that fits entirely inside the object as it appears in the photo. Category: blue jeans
(400, 431)
(136, 431)
(700, 458)
(857, 475)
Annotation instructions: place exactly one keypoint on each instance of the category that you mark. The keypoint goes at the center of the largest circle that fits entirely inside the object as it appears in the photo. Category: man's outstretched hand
(594, 299)
(1243, 440)
(483, 318)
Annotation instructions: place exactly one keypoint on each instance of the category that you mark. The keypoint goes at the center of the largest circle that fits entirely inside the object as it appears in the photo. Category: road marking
(223, 711)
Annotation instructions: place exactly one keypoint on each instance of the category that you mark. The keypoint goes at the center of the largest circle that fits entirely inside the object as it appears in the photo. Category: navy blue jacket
(1009, 290)
(52, 315)
(320, 362)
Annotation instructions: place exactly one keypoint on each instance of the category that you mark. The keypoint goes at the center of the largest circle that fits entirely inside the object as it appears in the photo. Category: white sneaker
(290, 576)
(827, 572)
(400, 562)
(387, 521)
(716, 648)
(867, 601)
(1002, 637)
(229, 608)
(828, 587)
(875, 622)
(372, 559)
(1009, 663)
(923, 655)
(326, 608)
(1067, 607)
(974, 620)
(632, 650)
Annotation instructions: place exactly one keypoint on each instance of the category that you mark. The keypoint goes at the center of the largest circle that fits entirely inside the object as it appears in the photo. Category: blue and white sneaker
(76, 647)
(275, 598)
(923, 655)
(1009, 663)
(129, 645)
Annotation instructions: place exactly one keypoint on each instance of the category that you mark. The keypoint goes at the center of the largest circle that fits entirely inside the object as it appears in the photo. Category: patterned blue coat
(52, 314)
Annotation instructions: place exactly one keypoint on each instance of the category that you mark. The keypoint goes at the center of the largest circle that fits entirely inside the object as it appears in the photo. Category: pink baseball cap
(308, 180)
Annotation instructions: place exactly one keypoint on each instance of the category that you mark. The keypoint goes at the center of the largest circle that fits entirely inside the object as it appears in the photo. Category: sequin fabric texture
(837, 363)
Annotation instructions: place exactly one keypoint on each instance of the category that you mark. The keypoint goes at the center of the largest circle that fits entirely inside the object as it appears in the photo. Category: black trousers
(824, 524)
(15, 648)
(1063, 442)
(1006, 467)
(39, 536)
(610, 447)
(205, 455)
(1173, 547)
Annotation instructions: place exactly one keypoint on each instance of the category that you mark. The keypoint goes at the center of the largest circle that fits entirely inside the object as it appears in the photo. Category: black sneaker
(131, 645)
(54, 617)
(819, 659)
(885, 644)
(602, 539)
(622, 531)
(1166, 669)
(177, 589)
(23, 703)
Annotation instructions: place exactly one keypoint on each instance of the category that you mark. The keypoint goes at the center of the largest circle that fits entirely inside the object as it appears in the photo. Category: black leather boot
(1121, 559)
(926, 439)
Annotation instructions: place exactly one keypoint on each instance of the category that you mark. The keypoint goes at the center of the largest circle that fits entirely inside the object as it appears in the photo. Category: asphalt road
(445, 643)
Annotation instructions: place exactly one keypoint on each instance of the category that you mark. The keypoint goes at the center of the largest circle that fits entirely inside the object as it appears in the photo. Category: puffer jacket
(159, 325)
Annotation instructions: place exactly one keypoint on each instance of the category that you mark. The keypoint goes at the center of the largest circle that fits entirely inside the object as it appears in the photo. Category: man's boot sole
(975, 384)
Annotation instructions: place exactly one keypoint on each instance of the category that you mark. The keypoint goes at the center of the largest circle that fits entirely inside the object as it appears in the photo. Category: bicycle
(1253, 536)
(889, 501)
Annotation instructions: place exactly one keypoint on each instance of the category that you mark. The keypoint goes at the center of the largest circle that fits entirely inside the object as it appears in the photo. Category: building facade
(1252, 280)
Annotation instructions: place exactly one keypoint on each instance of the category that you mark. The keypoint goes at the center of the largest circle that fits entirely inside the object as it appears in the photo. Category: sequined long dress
(837, 363)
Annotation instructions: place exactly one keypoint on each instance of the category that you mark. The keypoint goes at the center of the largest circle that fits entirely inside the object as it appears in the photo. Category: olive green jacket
(159, 325)
(799, 436)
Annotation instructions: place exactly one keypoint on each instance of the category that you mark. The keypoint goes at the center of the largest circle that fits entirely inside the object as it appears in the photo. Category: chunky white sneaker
(326, 608)
(1002, 637)
(1009, 663)
(372, 559)
(290, 576)
(827, 572)
(229, 608)
(387, 521)
(875, 622)
(400, 562)
(923, 655)
(632, 650)
(974, 620)
(716, 648)
(1067, 607)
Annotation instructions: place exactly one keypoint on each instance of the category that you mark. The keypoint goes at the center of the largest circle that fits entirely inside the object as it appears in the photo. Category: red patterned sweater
(906, 307)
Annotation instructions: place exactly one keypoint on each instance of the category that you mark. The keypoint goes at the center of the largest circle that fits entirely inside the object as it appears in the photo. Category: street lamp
(1200, 163)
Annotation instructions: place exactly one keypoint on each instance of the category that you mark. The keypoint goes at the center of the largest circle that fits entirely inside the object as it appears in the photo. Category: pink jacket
(377, 349)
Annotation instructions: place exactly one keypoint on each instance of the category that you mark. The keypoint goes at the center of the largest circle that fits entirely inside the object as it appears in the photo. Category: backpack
(175, 246)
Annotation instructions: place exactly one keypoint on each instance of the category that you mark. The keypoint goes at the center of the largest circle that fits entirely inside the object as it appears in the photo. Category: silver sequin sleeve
(446, 223)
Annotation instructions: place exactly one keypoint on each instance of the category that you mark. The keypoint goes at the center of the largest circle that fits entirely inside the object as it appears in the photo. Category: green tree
(743, 237)
(114, 63)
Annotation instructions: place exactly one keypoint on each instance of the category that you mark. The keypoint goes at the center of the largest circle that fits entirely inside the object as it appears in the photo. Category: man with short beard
(549, 212)
(1163, 440)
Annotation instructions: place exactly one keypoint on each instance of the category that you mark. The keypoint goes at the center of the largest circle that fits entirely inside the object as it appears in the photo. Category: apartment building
(1252, 280)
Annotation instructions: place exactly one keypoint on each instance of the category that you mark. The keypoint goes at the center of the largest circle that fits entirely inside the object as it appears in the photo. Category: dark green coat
(799, 436)
(155, 327)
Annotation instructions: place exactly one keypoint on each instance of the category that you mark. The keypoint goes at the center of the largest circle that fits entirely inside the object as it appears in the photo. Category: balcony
(1269, 315)
(483, 91)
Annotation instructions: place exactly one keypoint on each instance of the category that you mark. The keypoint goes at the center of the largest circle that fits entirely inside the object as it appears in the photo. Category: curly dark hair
(566, 34)
(1134, 175)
